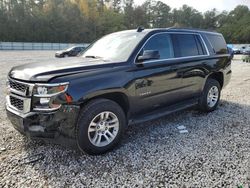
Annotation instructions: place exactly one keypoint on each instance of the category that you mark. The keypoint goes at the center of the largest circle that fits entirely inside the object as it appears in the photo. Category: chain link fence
(37, 46)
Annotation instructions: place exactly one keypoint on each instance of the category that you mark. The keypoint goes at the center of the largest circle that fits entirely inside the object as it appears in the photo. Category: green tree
(87, 20)
(187, 17)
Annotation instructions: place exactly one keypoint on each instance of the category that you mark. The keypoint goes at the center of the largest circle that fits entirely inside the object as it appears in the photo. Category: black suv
(123, 78)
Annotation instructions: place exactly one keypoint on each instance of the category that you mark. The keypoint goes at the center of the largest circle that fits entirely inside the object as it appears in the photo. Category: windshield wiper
(93, 56)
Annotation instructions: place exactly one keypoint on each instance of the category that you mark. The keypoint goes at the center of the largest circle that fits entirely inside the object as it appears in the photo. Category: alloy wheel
(212, 96)
(103, 129)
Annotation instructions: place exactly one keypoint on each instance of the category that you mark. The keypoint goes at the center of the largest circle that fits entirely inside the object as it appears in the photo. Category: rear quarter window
(218, 43)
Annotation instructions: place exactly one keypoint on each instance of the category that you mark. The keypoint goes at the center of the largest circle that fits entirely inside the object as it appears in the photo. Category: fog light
(44, 101)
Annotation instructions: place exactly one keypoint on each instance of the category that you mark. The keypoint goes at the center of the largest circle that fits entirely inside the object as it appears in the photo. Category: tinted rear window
(186, 45)
(218, 43)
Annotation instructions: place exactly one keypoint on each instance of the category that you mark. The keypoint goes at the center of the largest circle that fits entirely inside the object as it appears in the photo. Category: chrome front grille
(17, 103)
(18, 86)
(19, 98)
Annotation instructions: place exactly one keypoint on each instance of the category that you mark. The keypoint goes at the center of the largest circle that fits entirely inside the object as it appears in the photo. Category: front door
(157, 82)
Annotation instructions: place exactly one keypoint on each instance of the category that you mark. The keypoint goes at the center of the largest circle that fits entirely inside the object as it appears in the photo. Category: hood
(44, 71)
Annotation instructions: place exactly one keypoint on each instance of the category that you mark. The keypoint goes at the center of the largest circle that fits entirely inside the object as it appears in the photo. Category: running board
(164, 111)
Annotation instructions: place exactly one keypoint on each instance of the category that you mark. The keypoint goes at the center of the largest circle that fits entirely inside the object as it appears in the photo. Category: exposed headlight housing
(44, 96)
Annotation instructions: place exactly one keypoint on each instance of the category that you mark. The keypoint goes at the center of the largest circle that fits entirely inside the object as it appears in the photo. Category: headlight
(44, 96)
(49, 90)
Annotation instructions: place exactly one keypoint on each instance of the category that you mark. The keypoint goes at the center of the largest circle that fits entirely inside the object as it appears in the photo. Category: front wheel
(100, 126)
(210, 96)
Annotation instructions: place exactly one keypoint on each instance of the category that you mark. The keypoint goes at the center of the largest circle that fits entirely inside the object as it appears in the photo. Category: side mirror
(148, 55)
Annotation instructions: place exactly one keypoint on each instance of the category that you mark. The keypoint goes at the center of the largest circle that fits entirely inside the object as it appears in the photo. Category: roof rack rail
(140, 29)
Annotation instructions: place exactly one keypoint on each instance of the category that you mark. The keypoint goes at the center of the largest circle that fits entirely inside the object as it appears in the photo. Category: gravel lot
(213, 153)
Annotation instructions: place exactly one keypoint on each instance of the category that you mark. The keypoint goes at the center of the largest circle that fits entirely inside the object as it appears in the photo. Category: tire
(207, 102)
(100, 126)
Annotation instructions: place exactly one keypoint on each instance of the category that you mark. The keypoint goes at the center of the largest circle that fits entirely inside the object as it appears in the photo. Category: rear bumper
(52, 125)
(237, 52)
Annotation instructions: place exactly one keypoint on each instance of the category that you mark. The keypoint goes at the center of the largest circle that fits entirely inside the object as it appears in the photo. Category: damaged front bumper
(51, 125)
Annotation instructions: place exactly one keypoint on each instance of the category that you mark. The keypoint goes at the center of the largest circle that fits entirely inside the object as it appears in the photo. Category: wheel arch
(119, 97)
(217, 76)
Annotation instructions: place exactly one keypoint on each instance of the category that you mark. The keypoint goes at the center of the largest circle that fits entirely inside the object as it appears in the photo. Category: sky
(203, 5)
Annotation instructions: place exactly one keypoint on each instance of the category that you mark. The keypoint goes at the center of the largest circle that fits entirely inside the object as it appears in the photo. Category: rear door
(191, 55)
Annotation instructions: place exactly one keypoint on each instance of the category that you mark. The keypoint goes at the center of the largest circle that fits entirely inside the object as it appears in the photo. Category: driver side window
(162, 43)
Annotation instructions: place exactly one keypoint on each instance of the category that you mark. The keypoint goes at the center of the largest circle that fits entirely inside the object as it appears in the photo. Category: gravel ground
(213, 153)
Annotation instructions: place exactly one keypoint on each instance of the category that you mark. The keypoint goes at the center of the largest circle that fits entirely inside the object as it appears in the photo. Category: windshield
(73, 47)
(115, 47)
(69, 49)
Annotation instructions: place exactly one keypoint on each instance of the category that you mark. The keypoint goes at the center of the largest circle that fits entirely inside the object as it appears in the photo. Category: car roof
(193, 30)
(174, 29)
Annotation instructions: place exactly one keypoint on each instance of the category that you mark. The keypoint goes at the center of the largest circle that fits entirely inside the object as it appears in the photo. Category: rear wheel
(100, 126)
(211, 96)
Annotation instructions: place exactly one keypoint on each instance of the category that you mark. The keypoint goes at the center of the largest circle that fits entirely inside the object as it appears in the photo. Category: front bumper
(58, 55)
(52, 125)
